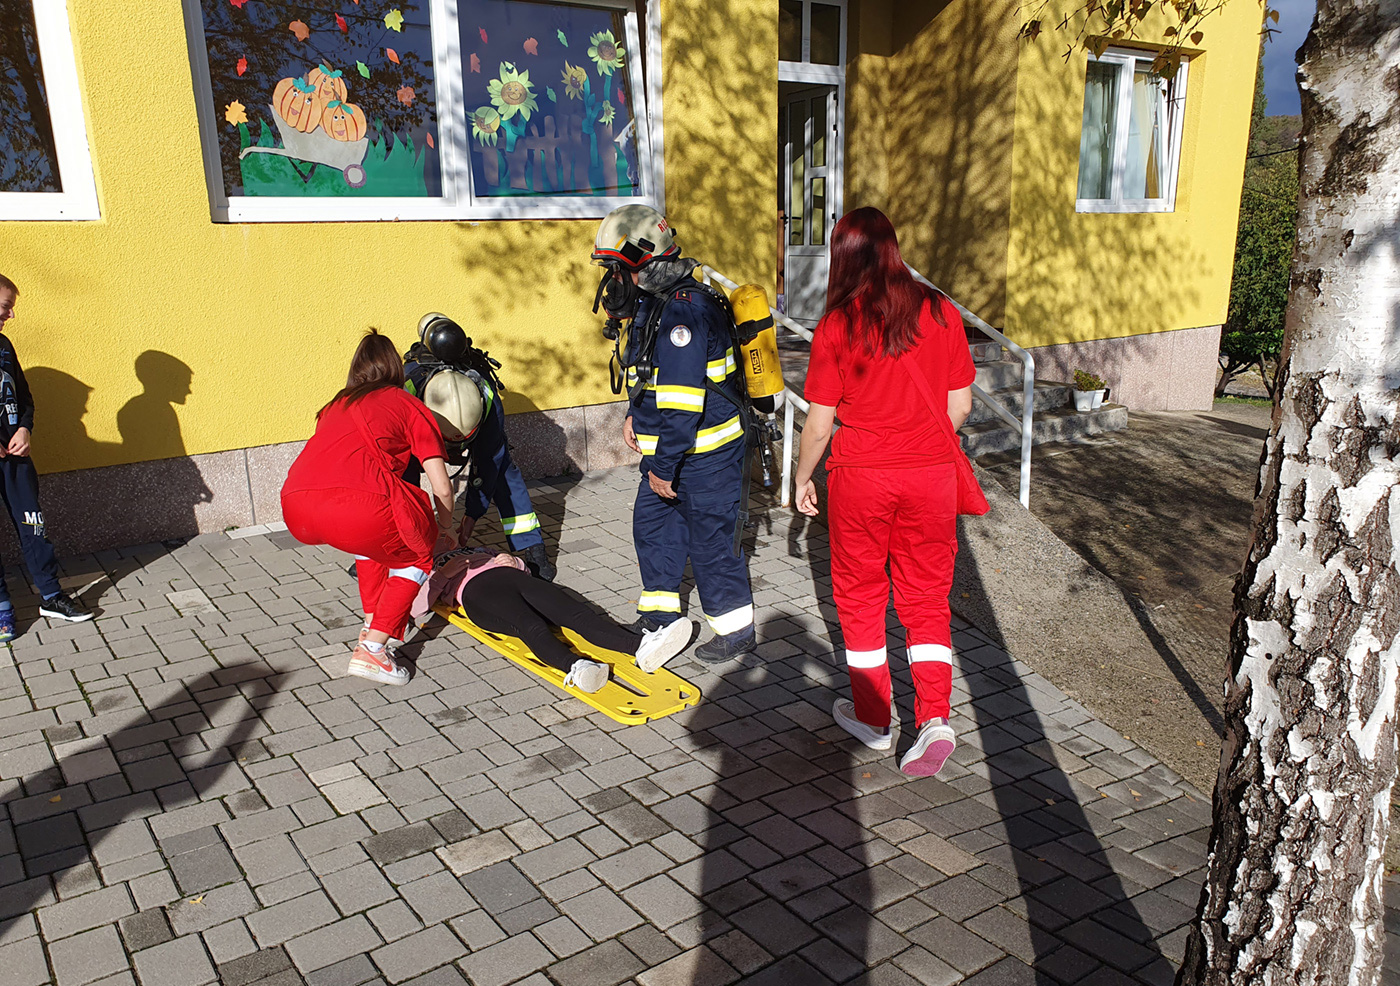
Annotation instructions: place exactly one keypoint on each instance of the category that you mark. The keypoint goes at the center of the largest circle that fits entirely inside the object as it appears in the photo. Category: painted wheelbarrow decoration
(318, 126)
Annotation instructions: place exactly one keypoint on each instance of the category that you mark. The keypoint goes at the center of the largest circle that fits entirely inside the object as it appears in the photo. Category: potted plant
(1088, 390)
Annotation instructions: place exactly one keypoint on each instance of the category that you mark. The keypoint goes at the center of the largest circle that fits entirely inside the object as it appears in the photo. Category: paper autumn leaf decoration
(363, 69)
(340, 23)
(549, 91)
(562, 40)
(238, 3)
(393, 20)
(531, 46)
(482, 32)
(300, 29)
(406, 95)
(242, 66)
(393, 55)
(429, 138)
(476, 63)
(235, 113)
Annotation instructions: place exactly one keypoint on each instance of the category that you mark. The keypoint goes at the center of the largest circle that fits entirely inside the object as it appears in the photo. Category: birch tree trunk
(1293, 885)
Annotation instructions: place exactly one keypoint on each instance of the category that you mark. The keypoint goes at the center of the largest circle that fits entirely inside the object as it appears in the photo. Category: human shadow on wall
(163, 486)
(60, 405)
(87, 812)
(110, 500)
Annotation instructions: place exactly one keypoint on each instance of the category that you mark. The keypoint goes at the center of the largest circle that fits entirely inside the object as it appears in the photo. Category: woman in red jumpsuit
(884, 343)
(345, 490)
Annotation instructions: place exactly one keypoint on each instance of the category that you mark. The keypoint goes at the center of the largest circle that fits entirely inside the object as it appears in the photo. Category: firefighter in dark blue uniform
(692, 439)
(493, 477)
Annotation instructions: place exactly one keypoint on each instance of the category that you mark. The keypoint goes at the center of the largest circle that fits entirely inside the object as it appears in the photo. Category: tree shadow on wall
(931, 120)
(934, 102)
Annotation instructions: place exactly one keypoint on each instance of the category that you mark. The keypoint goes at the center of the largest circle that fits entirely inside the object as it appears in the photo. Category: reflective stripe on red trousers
(905, 519)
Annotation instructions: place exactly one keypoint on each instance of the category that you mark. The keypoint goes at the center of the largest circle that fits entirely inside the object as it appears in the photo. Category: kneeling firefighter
(459, 385)
(689, 416)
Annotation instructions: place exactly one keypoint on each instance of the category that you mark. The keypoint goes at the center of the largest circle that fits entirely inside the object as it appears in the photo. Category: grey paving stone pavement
(191, 791)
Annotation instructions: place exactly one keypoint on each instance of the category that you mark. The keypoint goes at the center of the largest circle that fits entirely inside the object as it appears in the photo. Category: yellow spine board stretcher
(631, 696)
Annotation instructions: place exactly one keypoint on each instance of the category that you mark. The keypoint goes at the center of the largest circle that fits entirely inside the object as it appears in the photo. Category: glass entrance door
(808, 133)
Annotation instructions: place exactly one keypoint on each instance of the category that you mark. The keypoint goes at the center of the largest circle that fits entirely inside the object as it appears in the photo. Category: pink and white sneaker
(381, 667)
(931, 749)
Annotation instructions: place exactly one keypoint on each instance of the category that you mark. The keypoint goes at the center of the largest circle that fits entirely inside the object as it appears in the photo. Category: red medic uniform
(341, 492)
(892, 500)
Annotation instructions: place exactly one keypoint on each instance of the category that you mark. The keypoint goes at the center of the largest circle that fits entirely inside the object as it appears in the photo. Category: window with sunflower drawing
(550, 91)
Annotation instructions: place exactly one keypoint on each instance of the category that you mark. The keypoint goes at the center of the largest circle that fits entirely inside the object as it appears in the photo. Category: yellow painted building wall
(250, 327)
(1073, 276)
(931, 103)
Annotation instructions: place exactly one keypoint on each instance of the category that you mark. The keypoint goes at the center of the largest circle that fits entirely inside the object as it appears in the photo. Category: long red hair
(869, 287)
(376, 364)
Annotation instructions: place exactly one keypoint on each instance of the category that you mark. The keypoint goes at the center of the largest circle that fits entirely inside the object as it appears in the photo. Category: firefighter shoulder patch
(680, 337)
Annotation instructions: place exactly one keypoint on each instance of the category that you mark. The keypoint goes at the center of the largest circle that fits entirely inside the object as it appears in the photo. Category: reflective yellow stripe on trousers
(659, 601)
(521, 524)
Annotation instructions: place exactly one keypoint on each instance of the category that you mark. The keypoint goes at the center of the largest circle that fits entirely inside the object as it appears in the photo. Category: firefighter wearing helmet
(675, 355)
(458, 384)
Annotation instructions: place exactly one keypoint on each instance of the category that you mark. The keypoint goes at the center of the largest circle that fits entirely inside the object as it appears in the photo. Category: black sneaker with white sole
(64, 607)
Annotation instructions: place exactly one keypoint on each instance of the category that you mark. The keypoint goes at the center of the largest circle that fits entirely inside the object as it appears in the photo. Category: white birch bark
(1293, 886)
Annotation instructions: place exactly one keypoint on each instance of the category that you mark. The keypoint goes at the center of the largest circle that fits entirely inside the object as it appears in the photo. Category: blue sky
(1295, 17)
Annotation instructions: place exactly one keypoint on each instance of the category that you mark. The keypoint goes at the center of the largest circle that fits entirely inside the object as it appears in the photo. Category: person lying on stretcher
(499, 595)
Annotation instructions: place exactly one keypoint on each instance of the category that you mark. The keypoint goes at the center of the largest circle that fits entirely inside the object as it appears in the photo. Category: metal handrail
(1026, 424)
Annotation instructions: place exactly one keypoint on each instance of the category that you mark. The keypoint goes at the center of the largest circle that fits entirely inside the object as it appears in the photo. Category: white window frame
(1127, 61)
(78, 199)
(458, 201)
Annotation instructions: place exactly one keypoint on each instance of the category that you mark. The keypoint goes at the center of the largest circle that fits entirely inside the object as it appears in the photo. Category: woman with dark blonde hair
(890, 358)
(345, 490)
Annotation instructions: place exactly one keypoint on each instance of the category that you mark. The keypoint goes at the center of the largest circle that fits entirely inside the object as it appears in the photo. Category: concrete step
(1049, 396)
(1053, 426)
(984, 351)
(1001, 374)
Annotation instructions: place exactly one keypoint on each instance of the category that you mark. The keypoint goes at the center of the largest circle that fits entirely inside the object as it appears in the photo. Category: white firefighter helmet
(455, 400)
(633, 235)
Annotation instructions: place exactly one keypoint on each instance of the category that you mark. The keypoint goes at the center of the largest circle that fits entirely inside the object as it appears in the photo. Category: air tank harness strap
(750, 426)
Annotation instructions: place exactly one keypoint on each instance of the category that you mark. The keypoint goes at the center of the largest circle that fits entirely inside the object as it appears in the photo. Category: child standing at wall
(19, 485)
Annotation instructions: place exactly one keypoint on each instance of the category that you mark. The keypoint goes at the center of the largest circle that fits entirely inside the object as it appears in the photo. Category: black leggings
(511, 602)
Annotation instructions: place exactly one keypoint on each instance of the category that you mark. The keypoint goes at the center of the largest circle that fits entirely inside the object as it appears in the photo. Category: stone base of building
(115, 506)
(1156, 371)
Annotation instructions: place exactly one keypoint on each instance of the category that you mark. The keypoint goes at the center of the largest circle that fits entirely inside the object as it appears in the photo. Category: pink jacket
(452, 571)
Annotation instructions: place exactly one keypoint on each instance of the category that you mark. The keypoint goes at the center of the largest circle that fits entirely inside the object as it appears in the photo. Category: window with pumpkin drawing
(324, 97)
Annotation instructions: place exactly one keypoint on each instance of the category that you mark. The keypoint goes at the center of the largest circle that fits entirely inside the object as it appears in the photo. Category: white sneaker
(586, 676)
(843, 710)
(659, 646)
(931, 749)
(379, 667)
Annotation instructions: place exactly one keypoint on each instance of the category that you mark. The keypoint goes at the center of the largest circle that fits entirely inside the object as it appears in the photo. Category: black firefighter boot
(538, 562)
(727, 647)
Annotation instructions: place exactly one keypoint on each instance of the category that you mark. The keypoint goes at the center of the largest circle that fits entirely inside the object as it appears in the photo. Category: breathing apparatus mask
(619, 297)
(631, 240)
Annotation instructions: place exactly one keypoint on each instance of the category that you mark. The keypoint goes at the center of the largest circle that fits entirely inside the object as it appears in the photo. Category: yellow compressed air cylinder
(758, 341)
